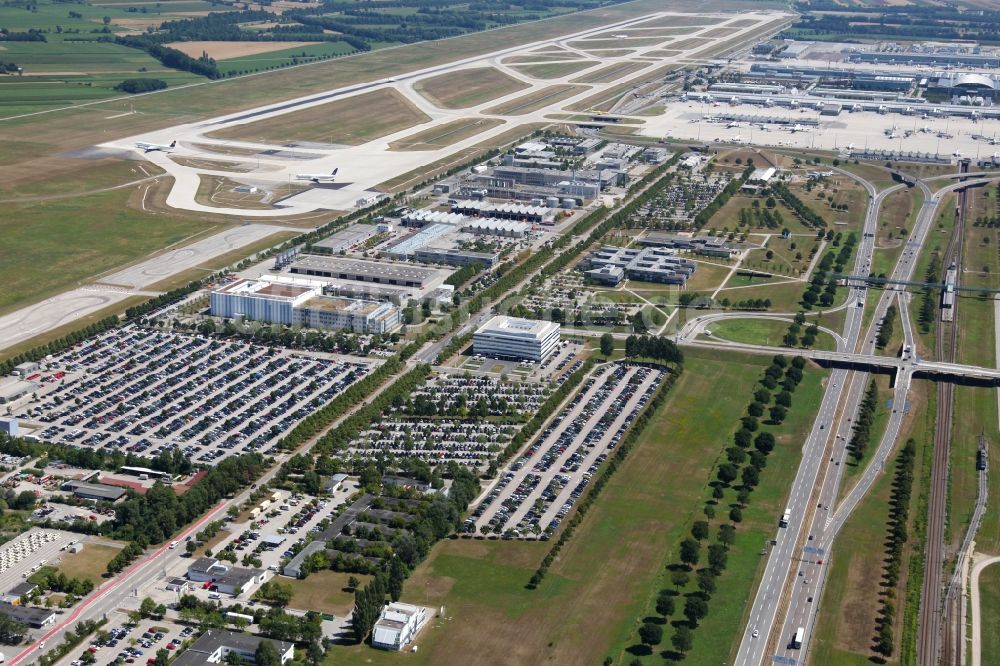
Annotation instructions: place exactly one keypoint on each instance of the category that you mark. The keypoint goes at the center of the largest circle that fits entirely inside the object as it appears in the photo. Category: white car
(755, 633)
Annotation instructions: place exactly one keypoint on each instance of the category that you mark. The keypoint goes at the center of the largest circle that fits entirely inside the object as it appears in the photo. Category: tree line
(744, 462)
(899, 510)
(886, 327)
(807, 215)
(861, 432)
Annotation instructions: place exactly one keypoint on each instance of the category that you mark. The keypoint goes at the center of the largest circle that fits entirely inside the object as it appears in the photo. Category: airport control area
(438, 332)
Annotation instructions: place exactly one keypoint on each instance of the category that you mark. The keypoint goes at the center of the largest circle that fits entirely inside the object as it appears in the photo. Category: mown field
(614, 565)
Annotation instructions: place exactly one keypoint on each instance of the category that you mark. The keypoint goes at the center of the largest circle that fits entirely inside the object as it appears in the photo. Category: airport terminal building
(510, 337)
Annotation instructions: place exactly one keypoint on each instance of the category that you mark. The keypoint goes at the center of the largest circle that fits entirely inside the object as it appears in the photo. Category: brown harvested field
(352, 121)
(445, 135)
(468, 87)
(611, 72)
(596, 44)
(690, 43)
(227, 50)
(553, 70)
(719, 32)
(536, 100)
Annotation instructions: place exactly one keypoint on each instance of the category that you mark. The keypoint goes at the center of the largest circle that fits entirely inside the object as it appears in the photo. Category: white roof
(517, 327)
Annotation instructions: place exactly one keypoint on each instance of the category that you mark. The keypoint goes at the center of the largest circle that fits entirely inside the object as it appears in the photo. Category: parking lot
(25, 554)
(553, 366)
(454, 417)
(129, 644)
(292, 519)
(145, 391)
(536, 492)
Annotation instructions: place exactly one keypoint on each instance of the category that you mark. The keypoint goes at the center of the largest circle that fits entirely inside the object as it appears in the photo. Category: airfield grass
(611, 72)
(352, 121)
(613, 565)
(989, 608)
(851, 598)
(445, 135)
(540, 58)
(785, 296)
(897, 213)
(715, 33)
(690, 43)
(468, 87)
(221, 192)
(434, 169)
(677, 20)
(554, 70)
(68, 177)
(57, 245)
(661, 53)
(597, 44)
(536, 100)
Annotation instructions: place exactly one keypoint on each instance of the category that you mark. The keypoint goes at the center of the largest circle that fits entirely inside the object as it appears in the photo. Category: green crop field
(284, 57)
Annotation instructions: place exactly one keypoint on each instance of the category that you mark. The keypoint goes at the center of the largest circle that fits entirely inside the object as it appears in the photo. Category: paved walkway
(976, 617)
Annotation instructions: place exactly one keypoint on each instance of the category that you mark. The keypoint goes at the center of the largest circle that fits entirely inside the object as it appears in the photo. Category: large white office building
(298, 302)
(510, 337)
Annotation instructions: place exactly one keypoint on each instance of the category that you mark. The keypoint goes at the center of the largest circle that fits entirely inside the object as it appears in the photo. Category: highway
(785, 602)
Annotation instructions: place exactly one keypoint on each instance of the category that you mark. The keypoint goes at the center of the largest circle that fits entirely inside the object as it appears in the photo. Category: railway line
(935, 644)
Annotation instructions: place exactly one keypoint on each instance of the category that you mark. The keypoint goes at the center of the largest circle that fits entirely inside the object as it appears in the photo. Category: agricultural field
(468, 87)
(352, 121)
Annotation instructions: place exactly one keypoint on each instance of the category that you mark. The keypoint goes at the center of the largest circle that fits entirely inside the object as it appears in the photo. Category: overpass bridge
(936, 370)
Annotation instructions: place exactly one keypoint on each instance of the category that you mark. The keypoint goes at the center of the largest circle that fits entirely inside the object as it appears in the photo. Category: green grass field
(851, 597)
(762, 332)
(989, 607)
(613, 566)
(56, 245)
(275, 59)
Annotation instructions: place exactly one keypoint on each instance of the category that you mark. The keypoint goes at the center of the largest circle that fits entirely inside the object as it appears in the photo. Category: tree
(736, 515)
(695, 608)
(681, 639)
(651, 634)
(778, 414)
(607, 344)
(727, 473)
(147, 608)
(266, 655)
(690, 552)
(764, 442)
(190, 547)
(665, 603)
(353, 582)
(315, 653)
(699, 530)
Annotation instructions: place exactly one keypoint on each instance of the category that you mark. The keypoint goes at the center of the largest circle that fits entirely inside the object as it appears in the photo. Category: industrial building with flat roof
(511, 337)
(397, 625)
(215, 645)
(709, 246)
(651, 264)
(456, 257)
(345, 239)
(301, 303)
(360, 270)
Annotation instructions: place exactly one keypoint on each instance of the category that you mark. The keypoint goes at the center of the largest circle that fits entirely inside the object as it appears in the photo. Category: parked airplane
(318, 177)
(150, 147)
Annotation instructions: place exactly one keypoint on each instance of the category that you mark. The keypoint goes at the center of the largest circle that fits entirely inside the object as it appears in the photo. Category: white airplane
(151, 147)
(957, 153)
(797, 128)
(318, 177)
(733, 124)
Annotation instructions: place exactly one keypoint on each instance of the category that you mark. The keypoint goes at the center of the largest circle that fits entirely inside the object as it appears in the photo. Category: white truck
(785, 517)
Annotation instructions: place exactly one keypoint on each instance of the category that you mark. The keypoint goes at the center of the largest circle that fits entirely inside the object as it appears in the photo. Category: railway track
(934, 645)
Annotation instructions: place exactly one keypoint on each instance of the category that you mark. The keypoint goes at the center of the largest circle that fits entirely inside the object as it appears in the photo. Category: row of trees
(68, 340)
(928, 295)
(899, 509)
(885, 327)
(734, 186)
(135, 86)
(653, 347)
(743, 464)
(638, 426)
(125, 557)
(158, 514)
(807, 215)
(862, 431)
